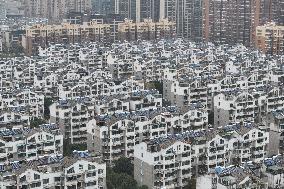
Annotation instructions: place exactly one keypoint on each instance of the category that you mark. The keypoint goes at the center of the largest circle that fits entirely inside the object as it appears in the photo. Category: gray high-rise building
(125, 8)
(234, 21)
(102, 7)
(187, 14)
(149, 9)
(3, 10)
(137, 10)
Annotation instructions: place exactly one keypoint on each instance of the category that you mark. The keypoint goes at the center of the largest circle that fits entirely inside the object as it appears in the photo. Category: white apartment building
(29, 144)
(163, 165)
(56, 172)
(27, 99)
(233, 107)
(208, 149)
(251, 105)
(114, 136)
(72, 117)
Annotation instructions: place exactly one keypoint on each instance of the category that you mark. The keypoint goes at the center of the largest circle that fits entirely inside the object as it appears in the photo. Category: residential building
(3, 11)
(15, 8)
(186, 14)
(42, 35)
(56, 171)
(56, 11)
(270, 38)
(95, 31)
(233, 176)
(115, 135)
(72, 117)
(236, 21)
(30, 144)
(163, 165)
(275, 122)
(146, 30)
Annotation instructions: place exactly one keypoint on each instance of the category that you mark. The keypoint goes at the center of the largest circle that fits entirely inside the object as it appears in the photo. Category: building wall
(221, 117)
(66, 33)
(270, 38)
(3, 11)
(235, 21)
(143, 173)
(55, 11)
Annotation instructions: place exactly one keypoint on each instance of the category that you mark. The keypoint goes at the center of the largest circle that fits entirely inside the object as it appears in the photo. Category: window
(71, 170)
(45, 181)
(34, 185)
(93, 174)
(23, 179)
(57, 179)
(156, 158)
(80, 167)
(260, 134)
(36, 176)
(90, 167)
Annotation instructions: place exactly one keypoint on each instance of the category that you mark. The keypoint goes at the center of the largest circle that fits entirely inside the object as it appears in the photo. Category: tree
(211, 118)
(143, 187)
(36, 122)
(47, 103)
(155, 85)
(120, 176)
(68, 148)
(123, 165)
(15, 50)
(116, 180)
(191, 183)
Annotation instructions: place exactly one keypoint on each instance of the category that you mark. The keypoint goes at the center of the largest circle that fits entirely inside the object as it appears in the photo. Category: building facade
(270, 38)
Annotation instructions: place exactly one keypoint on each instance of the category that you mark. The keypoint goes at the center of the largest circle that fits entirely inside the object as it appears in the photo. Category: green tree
(47, 103)
(120, 176)
(68, 148)
(123, 165)
(116, 180)
(35, 122)
(143, 187)
(155, 85)
(191, 183)
(211, 118)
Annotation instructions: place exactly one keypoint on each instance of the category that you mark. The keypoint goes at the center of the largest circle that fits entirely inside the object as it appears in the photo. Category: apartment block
(186, 14)
(239, 106)
(167, 164)
(275, 121)
(3, 11)
(56, 10)
(115, 136)
(146, 30)
(55, 172)
(270, 38)
(246, 175)
(42, 35)
(171, 160)
(30, 144)
(72, 117)
(94, 31)
(234, 22)
(137, 10)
